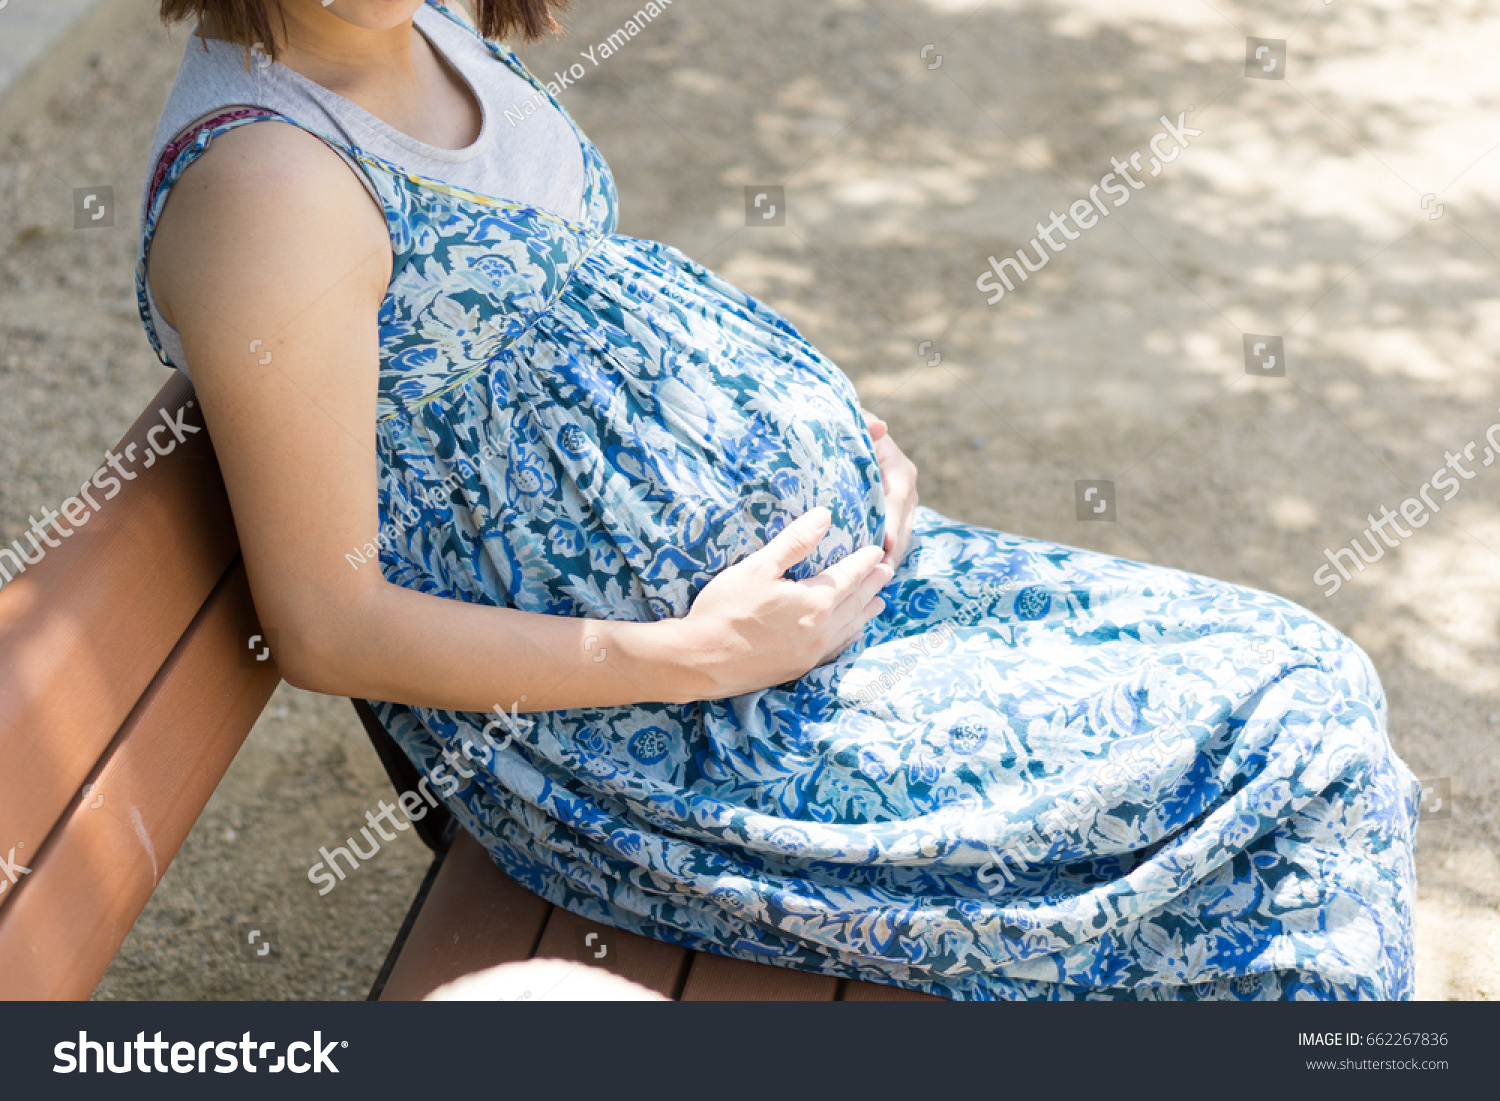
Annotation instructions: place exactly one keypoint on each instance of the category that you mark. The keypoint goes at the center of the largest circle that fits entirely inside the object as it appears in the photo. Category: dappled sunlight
(917, 382)
(1458, 950)
(1438, 600)
(1293, 513)
(1080, 18)
(1458, 925)
(1415, 118)
(757, 274)
(1408, 352)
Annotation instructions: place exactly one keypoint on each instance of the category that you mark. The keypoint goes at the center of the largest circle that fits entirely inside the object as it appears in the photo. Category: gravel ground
(1298, 211)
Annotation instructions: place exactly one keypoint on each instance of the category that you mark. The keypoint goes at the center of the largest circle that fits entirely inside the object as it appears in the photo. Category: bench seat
(474, 916)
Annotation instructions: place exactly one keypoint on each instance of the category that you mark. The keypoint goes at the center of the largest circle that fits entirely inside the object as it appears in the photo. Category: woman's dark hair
(246, 22)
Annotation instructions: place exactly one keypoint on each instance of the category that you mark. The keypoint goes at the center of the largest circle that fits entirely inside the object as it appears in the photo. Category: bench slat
(84, 631)
(722, 979)
(653, 964)
(95, 874)
(475, 917)
(855, 990)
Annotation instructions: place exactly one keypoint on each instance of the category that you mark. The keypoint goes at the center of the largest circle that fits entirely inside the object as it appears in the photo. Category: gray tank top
(539, 163)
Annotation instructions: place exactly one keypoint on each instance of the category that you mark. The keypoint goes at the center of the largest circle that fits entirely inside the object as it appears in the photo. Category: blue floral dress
(1041, 773)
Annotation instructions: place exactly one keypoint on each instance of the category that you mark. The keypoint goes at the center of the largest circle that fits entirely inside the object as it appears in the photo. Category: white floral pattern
(1103, 779)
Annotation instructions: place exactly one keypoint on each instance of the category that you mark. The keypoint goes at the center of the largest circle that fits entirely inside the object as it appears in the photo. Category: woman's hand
(900, 476)
(752, 628)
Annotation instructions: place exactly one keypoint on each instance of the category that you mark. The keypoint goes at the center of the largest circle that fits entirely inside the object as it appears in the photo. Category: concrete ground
(1347, 208)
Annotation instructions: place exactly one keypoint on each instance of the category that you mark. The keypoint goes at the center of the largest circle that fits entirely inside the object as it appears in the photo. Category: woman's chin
(370, 15)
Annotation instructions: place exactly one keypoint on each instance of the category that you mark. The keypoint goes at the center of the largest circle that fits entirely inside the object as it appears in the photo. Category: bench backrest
(126, 688)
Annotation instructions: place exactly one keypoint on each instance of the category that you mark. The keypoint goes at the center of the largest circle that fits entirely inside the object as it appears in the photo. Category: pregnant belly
(705, 471)
(655, 427)
(627, 499)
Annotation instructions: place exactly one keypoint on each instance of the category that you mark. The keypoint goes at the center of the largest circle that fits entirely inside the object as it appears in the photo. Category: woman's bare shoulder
(267, 195)
(269, 166)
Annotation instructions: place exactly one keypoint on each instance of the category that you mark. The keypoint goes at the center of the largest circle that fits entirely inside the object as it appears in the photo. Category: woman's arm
(270, 247)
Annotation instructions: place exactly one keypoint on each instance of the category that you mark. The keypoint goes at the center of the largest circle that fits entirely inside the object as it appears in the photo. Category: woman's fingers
(754, 627)
(900, 518)
(795, 541)
(900, 476)
(852, 628)
(875, 580)
(856, 609)
(846, 576)
(859, 607)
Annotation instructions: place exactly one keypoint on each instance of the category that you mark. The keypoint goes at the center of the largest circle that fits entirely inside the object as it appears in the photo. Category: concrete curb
(43, 43)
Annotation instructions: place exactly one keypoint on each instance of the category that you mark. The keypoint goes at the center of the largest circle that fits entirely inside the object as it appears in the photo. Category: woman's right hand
(752, 628)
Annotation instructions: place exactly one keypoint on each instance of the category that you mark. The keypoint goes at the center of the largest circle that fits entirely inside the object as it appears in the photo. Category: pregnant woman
(656, 612)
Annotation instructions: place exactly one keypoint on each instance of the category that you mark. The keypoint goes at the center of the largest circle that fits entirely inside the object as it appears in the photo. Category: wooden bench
(127, 685)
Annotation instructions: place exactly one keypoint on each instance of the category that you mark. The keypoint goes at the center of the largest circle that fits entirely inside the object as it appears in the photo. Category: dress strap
(173, 149)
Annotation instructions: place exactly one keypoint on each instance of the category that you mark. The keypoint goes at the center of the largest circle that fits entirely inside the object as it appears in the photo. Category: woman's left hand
(900, 476)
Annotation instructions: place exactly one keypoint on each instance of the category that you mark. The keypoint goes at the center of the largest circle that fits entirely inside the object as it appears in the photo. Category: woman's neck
(392, 72)
(336, 54)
